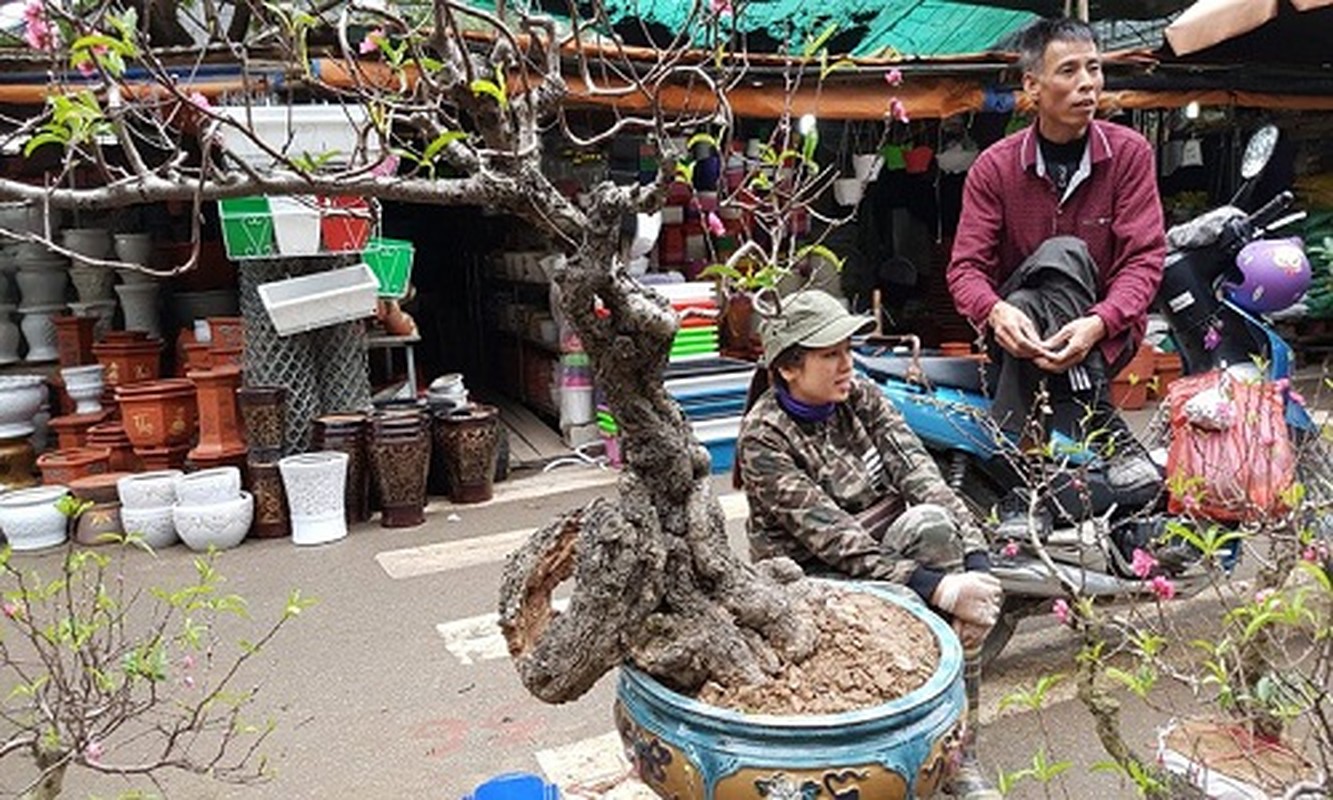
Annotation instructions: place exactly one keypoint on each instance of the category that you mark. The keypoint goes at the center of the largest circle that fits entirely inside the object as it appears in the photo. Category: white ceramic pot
(103, 310)
(848, 191)
(148, 489)
(134, 248)
(156, 526)
(866, 166)
(87, 242)
(84, 386)
(39, 331)
(20, 398)
(36, 256)
(30, 519)
(208, 486)
(314, 483)
(295, 225)
(44, 287)
(93, 283)
(139, 301)
(222, 525)
(9, 336)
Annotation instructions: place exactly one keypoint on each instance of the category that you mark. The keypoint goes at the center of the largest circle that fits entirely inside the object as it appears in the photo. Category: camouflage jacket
(807, 481)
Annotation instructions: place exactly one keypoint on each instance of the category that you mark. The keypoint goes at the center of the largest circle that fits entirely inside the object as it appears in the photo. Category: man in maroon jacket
(1068, 175)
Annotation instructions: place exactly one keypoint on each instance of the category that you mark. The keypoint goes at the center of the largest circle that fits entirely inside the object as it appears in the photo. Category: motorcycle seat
(953, 371)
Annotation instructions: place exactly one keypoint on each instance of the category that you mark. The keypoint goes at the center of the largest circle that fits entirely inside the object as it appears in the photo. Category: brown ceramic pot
(155, 459)
(347, 433)
(219, 421)
(264, 413)
(469, 442)
(197, 357)
(129, 360)
(272, 518)
(400, 466)
(62, 467)
(159, 413)
(226, 332)
(74, 340)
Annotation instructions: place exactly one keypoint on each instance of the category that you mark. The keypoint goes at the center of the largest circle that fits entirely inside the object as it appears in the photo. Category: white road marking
(591, 769)
(411, 562)
(478, 638)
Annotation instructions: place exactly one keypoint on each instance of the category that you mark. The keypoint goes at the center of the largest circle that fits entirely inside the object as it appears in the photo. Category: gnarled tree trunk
(655, 580)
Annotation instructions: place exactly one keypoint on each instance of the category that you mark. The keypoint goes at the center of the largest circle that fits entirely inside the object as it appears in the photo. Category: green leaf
(814, 45)
(46, 137)
(440, 142)
(722, 271)
(700, 138)
(819, 251)
(843, 63)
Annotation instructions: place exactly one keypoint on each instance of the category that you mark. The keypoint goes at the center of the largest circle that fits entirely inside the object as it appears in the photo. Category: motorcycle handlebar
(1271, 210)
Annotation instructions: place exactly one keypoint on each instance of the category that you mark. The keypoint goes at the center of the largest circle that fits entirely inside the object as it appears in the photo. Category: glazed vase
(468, 441)
(30, 520)
(272, 517)
(399, 449)
(139, 302)
(263, 412)
(39, 331)
(346, 433)
(219, 421)
(315, 484)
(687, 750)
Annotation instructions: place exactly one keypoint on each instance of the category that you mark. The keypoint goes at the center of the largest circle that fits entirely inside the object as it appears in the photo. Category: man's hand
(1015, 332)
(1071, 344)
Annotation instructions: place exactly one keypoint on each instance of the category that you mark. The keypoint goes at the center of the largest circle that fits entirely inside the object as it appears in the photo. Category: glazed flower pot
(346, 433)
(682, 748)
(139, 302)
(222, 525)
(159, 414)
(72, 429)
(39, 331)
(401, 464)
(272, 518)
(155, 526)
(30, 520)
(20, 398)
(315, 485)
(226, 332)
(468, 440)
(148, 489)
(129, 360)
(208, 486)
(263, 412)
(219, 420)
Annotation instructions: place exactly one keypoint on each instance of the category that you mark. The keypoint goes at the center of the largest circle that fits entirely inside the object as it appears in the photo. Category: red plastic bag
(1238, 471)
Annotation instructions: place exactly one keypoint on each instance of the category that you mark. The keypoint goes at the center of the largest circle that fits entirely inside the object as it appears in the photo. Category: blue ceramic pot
(685, 749)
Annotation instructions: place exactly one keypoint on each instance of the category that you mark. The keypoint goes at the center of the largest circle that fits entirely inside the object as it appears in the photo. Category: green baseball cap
(812, 319)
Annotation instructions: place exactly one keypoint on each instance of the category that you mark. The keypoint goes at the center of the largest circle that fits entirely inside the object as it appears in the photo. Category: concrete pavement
(397, 684)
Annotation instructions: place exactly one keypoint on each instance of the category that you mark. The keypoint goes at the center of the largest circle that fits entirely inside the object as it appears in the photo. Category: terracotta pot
(219, 421)
(111, 435)
(17, 463)
(196, 357)
(98, 488)
(72, 429)
(956, 349)
(59, 467)
(156, 459)
(129, 358)
(226, 332)
(74, 340)
(263, 410)
(220, 356)
(272, 518)
(1129, 396)
(159, 413)
(347, 433)
(1167, 368)
(469, 445)
(98, 524)
(401, 463)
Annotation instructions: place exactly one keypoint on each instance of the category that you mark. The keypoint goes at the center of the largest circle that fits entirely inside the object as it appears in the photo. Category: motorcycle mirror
(1258, 151)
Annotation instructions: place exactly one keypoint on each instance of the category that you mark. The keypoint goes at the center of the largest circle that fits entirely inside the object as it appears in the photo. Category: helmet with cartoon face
(1276, 274)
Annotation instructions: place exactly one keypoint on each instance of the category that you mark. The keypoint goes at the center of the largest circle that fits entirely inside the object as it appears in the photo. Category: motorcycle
(944, 400)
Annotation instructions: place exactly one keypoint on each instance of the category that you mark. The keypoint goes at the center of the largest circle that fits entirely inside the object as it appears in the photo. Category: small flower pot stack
(100, 522)
(212, 510)
(146, 503)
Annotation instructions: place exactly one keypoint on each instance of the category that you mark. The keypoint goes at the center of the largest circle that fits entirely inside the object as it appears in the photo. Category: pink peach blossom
(1060, 608)
(1010, 549)
(894, 77)
(714, 223)
(1143, 563)
(38, 31)
(372, 41)
(92, 752)
(11, 610)
(898, 111)
(1163, 587)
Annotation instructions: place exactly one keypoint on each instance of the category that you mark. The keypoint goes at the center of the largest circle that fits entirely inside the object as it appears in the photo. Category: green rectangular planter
(391, 261)
(247, 227)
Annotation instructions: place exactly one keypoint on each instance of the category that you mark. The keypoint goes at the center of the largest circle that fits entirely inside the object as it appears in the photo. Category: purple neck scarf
(803, 412)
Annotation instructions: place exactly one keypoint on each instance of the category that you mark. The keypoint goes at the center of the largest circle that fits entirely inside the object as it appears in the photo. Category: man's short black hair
(1032, 41)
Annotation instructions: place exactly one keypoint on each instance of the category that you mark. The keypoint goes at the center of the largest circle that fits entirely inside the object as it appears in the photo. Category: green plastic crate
(247, 227)
(391, 261)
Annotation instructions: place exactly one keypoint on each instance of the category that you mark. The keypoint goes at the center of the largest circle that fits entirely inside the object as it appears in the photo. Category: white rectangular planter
(296, 131)
(324, 298)
(295, 225)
